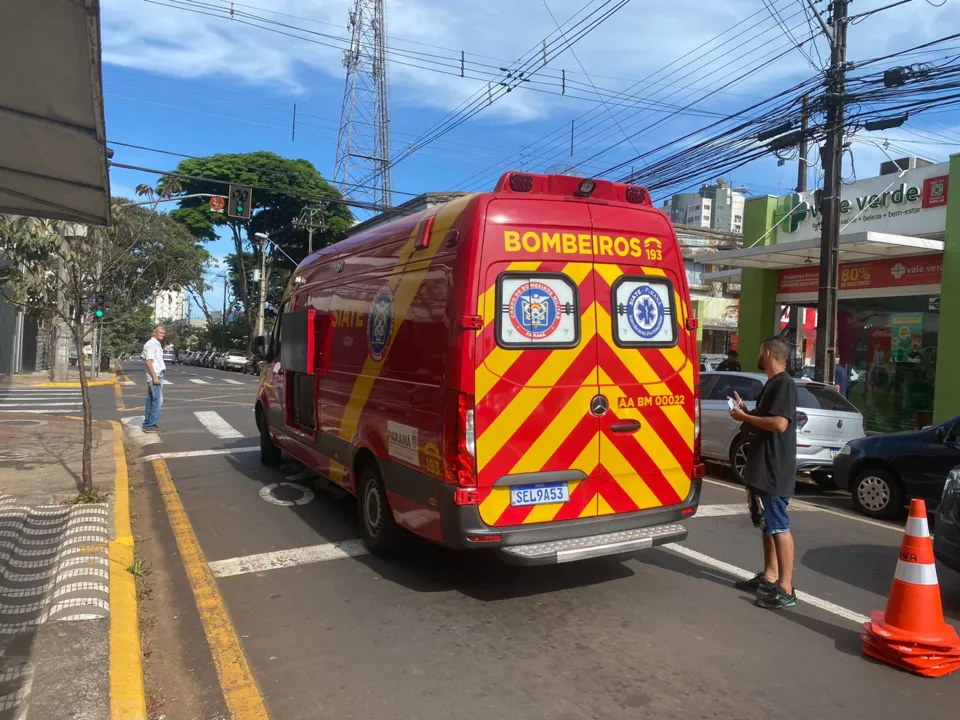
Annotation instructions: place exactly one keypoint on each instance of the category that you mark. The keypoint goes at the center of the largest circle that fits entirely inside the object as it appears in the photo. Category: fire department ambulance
(512, 370)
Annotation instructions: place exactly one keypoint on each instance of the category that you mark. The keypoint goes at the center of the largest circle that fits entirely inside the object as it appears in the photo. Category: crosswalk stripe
(198, 381)
(41, 404)
(217, 425)
(232, 382)
(165, 382)
(34, 412)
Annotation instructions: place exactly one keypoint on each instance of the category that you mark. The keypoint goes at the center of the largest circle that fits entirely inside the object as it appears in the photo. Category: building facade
(899, 257)
(169, 306)
(717, 206)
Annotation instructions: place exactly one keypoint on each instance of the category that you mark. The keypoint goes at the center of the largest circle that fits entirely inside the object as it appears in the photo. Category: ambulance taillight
(460, 447)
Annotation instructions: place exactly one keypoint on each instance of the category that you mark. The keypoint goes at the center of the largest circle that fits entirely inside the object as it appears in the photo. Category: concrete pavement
(325, 629)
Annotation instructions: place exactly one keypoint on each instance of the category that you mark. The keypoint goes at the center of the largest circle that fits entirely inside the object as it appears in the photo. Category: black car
(884, 472)
(946, 528)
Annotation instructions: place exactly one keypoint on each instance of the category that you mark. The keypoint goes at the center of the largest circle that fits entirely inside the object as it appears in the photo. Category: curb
(92, 383)
(128, 699)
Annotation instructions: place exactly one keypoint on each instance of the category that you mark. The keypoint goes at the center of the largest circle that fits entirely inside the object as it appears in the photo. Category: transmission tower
(363, 142)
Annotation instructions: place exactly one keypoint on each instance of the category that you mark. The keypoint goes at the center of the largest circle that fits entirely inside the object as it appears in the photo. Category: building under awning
(53, 159)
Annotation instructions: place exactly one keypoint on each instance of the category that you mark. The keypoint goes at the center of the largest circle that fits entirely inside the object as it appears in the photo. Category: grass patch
(89, 498)
(139, 568)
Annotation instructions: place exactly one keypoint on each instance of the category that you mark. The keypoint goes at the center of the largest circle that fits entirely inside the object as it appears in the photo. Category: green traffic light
(99, 313)
(239, 208)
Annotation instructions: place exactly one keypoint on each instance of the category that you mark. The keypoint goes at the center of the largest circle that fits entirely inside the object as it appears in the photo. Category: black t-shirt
(772, 461)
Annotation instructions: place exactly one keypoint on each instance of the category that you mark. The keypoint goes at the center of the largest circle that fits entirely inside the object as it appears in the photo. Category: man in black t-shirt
(732, 363)
(771, 473)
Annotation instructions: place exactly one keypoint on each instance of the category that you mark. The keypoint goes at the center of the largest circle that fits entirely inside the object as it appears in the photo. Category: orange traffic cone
(911, 634)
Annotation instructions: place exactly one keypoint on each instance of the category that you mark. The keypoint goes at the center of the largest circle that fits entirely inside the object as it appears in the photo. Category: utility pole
(310, 218)
(802, 169)
(223, 317)
(261, 306)
(826, 356)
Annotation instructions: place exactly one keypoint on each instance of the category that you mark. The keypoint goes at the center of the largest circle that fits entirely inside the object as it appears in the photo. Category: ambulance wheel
(380, 532)
(269, 453)
(738, 457)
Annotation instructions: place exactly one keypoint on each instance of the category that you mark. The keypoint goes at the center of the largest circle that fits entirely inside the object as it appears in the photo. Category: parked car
(169, 357)
(946, 527)
(825, 422)
(708, 363)
(234, 360)
(884, 472)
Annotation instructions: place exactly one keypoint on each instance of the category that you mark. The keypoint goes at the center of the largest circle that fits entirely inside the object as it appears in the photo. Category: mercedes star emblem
(839, 423)
(599, 405)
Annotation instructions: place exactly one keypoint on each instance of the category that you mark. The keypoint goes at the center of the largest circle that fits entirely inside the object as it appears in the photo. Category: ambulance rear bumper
(567, 540)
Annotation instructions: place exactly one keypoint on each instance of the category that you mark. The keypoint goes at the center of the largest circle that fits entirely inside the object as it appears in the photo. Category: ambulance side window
(537, 310)
(275, 334)
(644, 314)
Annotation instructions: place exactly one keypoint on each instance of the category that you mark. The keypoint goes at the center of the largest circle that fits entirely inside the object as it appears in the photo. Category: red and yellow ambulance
(513, 370)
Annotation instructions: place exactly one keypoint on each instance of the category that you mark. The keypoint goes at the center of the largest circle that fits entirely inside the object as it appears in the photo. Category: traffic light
(240, 202)
(99, 304)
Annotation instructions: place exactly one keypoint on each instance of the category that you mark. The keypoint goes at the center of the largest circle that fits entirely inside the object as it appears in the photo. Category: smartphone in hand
(731, 403)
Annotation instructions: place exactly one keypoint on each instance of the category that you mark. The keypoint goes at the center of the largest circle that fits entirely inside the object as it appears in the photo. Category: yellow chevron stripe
(625, 475)
(653, 445)
(505, 425)
(603, 507)
(500, 360)
(404, 287)
(559, 429)
(494, 505)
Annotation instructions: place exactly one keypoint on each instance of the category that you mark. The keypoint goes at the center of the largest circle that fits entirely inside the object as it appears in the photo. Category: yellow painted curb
(128, 699)
(118, 392)
(240, 690)
(92, 383)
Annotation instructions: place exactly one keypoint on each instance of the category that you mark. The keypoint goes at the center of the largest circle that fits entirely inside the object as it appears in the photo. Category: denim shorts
(775, 519)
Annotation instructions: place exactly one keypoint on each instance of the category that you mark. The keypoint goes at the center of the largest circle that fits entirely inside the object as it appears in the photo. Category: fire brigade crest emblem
(534, 310)
(380, 327)
(645, 312)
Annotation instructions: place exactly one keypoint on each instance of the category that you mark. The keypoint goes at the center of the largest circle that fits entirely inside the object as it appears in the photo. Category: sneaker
(754, 584)
(149, 429)
(777, 600)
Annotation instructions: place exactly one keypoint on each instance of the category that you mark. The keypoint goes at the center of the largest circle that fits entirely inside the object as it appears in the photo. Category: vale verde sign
(914, 204)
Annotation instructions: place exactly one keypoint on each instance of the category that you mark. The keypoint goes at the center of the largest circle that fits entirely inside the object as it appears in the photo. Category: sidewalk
(60, 571)
(42, 379)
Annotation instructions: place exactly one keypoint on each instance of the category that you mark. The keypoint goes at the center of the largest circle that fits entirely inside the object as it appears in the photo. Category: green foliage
(127, 331)
(272, 213)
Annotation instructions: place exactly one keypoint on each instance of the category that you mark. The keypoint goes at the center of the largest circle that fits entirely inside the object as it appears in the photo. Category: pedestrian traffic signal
(240, 202)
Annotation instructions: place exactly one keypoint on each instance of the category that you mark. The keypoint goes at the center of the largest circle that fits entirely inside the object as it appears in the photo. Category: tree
(272, 213)
(61, 270)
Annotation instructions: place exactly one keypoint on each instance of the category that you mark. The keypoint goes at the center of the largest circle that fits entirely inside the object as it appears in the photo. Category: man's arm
(153, 374)
(775, 423)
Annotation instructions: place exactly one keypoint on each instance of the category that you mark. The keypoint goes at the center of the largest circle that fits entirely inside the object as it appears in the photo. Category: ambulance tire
(377, 527)
(269, 453)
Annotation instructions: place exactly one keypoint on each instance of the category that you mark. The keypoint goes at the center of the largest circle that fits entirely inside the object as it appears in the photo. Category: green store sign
(795, 210)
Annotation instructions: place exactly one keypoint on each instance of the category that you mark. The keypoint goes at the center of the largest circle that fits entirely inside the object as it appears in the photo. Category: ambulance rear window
(537, 310)
(644, 313)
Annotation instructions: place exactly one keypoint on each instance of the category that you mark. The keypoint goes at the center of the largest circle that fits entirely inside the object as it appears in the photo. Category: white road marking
(63, 404)
(742, 574)
(266, 493)
(131, 382)
(134, 425)
(198, 381)
(705, 511)
(33, 412)
(197, 453)
(800, 504)
(232, 382)
(209, 377)
(165, 382)
(288, 558)
(217, 425)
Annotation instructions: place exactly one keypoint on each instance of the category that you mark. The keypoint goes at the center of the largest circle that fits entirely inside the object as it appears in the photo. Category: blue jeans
(151, 410)
(775, 518)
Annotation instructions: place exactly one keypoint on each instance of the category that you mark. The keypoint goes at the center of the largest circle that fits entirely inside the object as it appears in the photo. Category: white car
(234, 360)
(826, 421)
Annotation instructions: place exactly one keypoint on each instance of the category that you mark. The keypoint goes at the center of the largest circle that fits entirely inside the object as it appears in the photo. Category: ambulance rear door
(536, 364)
(645, 361)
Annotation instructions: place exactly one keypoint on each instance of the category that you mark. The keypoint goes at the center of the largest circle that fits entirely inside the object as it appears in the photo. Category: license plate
(833, 453)
(539, 494)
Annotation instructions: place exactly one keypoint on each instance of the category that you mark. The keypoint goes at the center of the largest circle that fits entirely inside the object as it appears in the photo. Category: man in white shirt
(153, 356)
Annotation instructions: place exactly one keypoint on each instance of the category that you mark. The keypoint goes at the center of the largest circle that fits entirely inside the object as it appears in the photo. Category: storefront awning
(855, 247)
(53, 151)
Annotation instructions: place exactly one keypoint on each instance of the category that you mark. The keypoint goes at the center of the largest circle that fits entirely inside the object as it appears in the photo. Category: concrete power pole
(826, 355)
(310, 218)
(802, 163)
(362, 169)
(262, 304)
(60, 369)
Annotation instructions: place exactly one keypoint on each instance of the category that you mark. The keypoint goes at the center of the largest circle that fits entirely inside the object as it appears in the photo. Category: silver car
(825, 421)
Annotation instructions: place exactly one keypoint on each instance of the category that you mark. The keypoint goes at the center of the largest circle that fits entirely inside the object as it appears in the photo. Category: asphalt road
(438, 634)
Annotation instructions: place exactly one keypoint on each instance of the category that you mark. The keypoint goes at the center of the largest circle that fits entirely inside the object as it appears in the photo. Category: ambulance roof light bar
(568, 186)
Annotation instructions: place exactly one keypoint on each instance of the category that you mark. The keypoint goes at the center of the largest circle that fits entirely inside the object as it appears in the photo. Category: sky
(182, 77)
